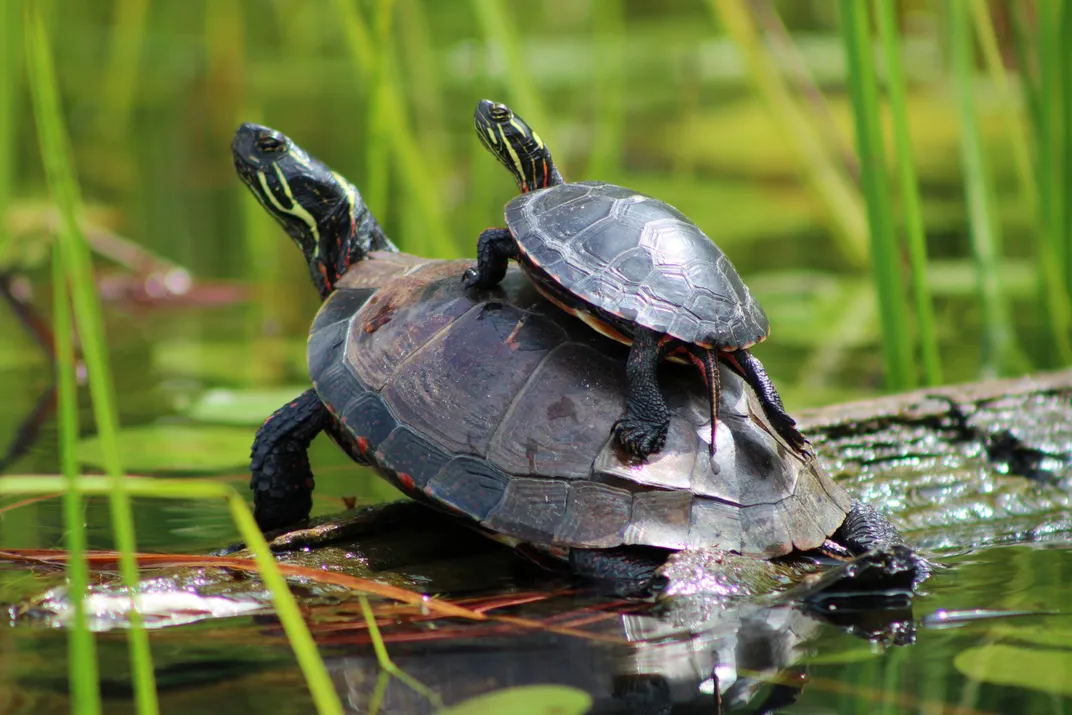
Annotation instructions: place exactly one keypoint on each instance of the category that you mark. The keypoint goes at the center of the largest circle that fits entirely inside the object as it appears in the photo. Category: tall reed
(10, 83)
(520, 87)
(376, 147)
(1053, 289)
(885, 259)
(81, 647)
(818, 163)
(124, 60)
(74, 254)
(909, 192)
(609, 63)
(417, 174)
(999, 350)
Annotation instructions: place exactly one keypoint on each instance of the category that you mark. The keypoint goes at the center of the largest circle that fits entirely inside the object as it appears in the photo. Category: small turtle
(634, 268)
(522, 455)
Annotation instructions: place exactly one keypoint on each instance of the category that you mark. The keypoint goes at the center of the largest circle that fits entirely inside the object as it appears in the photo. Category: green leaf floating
(526, 700)
(1045, 670)
(171, 449)
(241, 407)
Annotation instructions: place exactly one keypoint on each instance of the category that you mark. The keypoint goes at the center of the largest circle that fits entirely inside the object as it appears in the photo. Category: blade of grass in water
(290, 616)
(384, 660)
(81, 648)
(520, 87)
(609, 90)
(1052, 286)
(909, 192)
(836, 194)
(885, 260)
(998, 347)
(10, 72)
(75, 255)
(121, 76)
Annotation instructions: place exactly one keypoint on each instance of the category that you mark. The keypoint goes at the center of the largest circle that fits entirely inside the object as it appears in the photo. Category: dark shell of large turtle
(639, 259)
(498, 406)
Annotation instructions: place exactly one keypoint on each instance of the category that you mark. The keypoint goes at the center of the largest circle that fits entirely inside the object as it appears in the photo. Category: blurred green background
(655, 95)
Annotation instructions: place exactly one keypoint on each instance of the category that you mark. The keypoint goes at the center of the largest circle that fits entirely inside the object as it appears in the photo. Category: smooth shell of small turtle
(639, 259)
(525, 451)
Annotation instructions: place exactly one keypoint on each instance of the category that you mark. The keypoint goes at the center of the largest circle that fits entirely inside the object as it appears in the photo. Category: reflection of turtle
(634, 268)
(496, 408)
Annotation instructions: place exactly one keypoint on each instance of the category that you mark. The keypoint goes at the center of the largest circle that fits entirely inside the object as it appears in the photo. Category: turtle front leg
(494, 248)
(642, 431)
(282, 480)
(751, 369)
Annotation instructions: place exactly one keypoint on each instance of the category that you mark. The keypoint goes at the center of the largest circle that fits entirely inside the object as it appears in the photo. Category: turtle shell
(638, 259)
(497, 406)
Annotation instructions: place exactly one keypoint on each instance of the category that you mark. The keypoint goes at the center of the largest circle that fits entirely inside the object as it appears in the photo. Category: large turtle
(634, 268)
(497, 408)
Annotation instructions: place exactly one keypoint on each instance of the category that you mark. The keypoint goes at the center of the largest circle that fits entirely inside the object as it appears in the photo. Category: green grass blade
(1065, 181)
(81, 647)
(420, 64)
(384, 660)
(414, 166)
(124, 59)
(1014, 121)
(10, 75)
(1052, 288)
(1022, 39)
(301, 640)
(825, 177)
(377, 168)
(885, 259)
(909, 192)
(998, 346)
(1050, 135)
(320, 685)
(520, 87)
(609, 90)
(71, 244)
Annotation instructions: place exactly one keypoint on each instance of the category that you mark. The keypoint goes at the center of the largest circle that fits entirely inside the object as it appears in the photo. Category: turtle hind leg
(282, 480)
(751, 369)
(865, 528)
(494, 248)
(625, 571)
(642, 430)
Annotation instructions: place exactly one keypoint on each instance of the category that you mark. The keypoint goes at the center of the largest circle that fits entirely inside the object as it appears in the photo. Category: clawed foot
(472, 279)
(786, 426)
(640, 438)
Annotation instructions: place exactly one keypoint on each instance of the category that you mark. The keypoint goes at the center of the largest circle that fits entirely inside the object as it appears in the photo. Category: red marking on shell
(362, 444)
(406, 481)
(382, 317)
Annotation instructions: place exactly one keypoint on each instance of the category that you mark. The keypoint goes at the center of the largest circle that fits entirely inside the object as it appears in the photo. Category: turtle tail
(707, 361)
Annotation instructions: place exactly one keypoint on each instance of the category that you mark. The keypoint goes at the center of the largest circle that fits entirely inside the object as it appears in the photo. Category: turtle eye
(270, 143)
(500, 113)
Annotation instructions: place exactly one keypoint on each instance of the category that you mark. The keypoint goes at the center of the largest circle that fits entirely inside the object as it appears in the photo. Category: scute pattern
(637, 258)
(529, 454)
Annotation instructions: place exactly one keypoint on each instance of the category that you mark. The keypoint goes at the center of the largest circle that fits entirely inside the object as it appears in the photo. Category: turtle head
(320, 210)
(513, 142)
